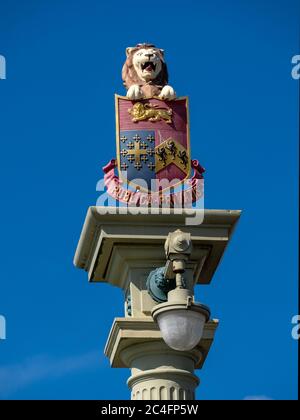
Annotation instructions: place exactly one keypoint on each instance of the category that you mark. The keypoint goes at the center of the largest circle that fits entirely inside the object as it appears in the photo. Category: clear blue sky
(64, 60)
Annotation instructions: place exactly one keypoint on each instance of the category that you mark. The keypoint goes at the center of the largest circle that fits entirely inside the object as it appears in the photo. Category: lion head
(145, 66)
(137, 110)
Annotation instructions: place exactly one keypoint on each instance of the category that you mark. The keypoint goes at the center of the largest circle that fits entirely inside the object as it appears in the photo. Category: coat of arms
(152, 133)
(153, 150)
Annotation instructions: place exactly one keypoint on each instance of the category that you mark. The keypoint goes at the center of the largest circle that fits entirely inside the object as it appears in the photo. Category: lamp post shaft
(160, 373)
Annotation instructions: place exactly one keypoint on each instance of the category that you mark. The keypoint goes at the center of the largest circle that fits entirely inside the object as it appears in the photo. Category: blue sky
(64, 59)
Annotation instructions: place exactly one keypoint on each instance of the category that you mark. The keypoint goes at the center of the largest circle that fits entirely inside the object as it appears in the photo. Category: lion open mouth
(148, 66)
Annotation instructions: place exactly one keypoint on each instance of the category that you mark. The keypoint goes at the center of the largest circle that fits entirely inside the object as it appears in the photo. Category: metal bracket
(158, 285)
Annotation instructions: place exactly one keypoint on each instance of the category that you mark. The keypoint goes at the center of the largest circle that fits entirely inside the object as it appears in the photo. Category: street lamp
(180, 319)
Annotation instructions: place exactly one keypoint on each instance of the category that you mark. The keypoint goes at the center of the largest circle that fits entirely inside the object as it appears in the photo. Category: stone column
(157, 371)
(122, 249)
(160, 373)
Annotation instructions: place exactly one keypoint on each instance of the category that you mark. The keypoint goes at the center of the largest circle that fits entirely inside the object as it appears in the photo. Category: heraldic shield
(153, 145)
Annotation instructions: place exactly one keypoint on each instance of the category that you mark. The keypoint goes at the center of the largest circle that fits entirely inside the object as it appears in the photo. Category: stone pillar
(122, 249)
(157, 371)
(160, 373)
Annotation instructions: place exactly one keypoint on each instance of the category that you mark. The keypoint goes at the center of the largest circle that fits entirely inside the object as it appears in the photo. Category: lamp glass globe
(181, 329)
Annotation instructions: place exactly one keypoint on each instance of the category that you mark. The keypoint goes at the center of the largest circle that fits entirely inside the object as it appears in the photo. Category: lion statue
(145, 73)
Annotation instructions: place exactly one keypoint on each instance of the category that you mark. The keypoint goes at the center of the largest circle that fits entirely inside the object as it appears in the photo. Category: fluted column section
(161, 373)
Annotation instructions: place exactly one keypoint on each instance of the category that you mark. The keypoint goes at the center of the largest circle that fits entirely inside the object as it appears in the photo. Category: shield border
(117, 97)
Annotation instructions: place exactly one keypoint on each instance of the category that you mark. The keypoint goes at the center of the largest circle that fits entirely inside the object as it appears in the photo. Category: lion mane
(130, 77)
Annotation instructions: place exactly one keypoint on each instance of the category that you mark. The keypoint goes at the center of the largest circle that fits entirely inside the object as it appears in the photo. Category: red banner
(192, 190)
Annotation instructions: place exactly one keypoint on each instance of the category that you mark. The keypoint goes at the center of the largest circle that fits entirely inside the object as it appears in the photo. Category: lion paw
(134, 92)
(167, 93)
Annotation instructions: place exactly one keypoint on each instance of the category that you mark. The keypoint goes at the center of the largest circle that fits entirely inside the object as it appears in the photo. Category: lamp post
(157, 260)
